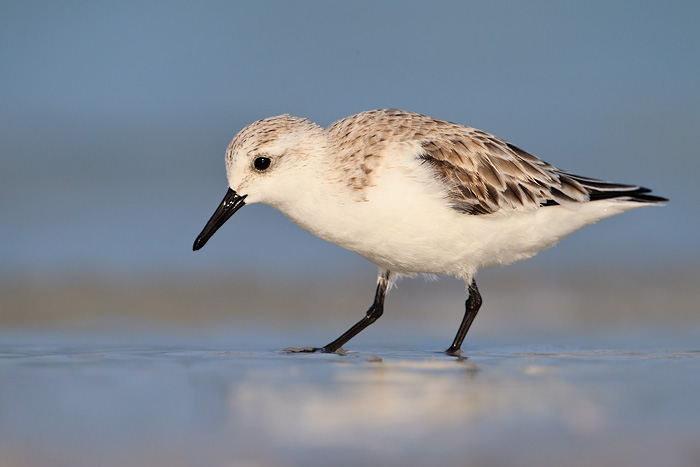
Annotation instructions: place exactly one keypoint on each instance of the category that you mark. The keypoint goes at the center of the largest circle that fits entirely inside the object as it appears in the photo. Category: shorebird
(413, 194)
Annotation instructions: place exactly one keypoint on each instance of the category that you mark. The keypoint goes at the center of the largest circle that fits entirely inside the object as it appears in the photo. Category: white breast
(402, 222)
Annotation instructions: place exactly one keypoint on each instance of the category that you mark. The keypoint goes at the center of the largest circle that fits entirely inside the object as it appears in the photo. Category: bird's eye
(261, 163)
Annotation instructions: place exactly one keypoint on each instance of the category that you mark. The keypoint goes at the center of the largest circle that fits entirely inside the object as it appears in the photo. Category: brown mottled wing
(484, 174)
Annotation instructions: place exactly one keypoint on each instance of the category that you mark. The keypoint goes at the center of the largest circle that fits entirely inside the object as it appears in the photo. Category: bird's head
(267, 162)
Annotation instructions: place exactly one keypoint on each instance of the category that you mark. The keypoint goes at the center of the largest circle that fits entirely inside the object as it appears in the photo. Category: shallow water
(158, 400)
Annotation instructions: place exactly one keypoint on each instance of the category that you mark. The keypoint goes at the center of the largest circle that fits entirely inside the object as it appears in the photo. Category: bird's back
(480, 173)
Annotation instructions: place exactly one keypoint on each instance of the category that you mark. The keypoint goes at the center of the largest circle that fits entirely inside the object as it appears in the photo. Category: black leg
(472, 308)
(374, 312)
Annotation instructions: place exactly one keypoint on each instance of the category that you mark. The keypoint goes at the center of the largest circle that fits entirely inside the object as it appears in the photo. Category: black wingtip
(600, 190)
(636, 194)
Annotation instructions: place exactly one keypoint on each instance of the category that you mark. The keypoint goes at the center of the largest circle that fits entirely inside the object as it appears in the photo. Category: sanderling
(413, 194)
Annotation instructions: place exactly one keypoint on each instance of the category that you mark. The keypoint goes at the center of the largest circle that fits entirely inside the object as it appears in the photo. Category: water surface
(159, 400)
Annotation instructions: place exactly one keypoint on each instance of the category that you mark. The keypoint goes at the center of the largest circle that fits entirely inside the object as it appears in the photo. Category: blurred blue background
(115, 117)
(119, 345)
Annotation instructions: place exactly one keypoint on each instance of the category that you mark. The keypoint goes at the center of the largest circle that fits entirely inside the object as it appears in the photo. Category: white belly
(404, 224)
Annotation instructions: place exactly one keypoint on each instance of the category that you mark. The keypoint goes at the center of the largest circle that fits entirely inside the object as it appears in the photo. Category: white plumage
(413, 194)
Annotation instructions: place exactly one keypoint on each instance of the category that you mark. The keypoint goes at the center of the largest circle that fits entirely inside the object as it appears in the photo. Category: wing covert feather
(483, 174)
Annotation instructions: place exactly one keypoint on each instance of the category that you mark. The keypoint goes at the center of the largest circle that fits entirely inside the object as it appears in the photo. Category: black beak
(232, 202)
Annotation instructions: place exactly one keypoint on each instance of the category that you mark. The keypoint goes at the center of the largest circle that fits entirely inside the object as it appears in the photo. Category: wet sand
(540, 388)
(75, 402)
